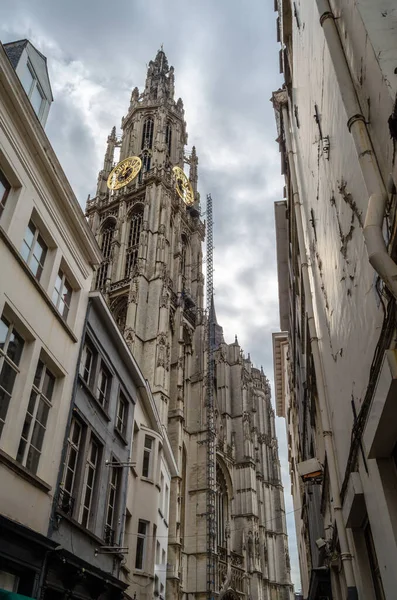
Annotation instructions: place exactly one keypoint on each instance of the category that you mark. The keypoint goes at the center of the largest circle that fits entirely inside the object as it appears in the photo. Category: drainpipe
(321, 385)
(378, 197)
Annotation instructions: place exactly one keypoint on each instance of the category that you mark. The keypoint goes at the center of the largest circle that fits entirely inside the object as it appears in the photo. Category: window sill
(120, 436)
(142, 573)
(23, 472)
(80, 527)
(37, 284)
(94, 398)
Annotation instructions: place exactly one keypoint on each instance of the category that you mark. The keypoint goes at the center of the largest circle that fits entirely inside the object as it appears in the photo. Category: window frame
(141, 543)
(122, 400)
(37, 240)
(102, 396)
(7, 189)
(113, 494)
(36, 417)
(87, 346)
(65, 285)
(35, 84)
(86, 510)
(68, 497)
(8, 361)
(147, 452)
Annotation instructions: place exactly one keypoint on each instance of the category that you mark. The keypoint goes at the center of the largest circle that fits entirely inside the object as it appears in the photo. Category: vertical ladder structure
(211, 450)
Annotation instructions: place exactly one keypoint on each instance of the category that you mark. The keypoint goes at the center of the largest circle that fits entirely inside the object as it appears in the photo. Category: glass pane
(32, 461)
(32, 403)
(26, 426)
(26, 78)
(76, 433)
(29, 234)
(4, 325)
(25, 251)
(139, 553)
(58, 281)
(72, 459)
(34, 267)
(36, 99)
(39, 250)
(148, 442)
(48, 386)
(68, 481)
(38, 374)
(15, 347)
(4, 402)
(38, 436)
(42, 413)
(94, 453)
(55, 297)
(7, 377)
(21, 450)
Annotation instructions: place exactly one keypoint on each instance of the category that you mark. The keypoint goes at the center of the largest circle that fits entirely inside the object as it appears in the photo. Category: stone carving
(134, 292)
(164, 297)
(129, 337)
(161, 350)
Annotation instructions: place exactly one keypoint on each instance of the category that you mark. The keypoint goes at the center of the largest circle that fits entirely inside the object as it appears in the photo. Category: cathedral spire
(159, 79)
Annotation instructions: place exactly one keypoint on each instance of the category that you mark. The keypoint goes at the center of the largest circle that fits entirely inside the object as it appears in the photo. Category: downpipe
(321, 385)
(377, 251)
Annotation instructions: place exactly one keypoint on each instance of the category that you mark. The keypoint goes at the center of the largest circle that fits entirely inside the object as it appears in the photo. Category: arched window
(119, 310)
(221, 507)
(168, 136)
(106, 247)
(133, 242)
(147, 134)
(183, 258)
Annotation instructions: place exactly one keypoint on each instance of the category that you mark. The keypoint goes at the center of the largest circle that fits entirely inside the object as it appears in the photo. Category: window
(168, 136)
(86, 363)
(140, 544)
(4, 191)
(11, 346)
(103, 387)
(147, 456)
(34, 250)
(90, 475)
(221, 507)
(35, 424)
(147, 134)
(67, 493)
(122, 412)
(106, 247)
(32, 88)
(133, 243)
(166, 501)
(62, 294)
(111, 512)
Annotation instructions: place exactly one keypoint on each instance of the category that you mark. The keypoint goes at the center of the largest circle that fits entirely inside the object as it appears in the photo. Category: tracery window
(106, 247)
(221, 507)
(168, 136)
(133, 242)
(147, 134)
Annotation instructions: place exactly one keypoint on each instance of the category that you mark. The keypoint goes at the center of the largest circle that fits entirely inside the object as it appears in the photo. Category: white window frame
(37, 240)
(7, 190)
(113, 495)
(141, 537)
(34, 418)
(86, 374)
(64, 294)
(85, 519)
(147, 451)
(102, 395)
(121, 420)
(7, 361)
(35, 84)
(72, 446)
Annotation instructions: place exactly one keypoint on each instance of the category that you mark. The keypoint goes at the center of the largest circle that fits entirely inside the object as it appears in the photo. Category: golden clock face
(124, 172)
(183, 186)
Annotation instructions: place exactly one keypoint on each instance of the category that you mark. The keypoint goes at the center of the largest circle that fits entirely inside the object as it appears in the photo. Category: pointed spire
(160, 79)
(216, 329)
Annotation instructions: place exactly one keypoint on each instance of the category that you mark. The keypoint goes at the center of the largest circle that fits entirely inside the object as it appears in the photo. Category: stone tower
(152, 279)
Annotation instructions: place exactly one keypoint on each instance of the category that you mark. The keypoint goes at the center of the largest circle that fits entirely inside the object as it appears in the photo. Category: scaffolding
(211, 450)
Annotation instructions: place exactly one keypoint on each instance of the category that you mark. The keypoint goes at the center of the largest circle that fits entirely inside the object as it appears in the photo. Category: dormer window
(33, 89)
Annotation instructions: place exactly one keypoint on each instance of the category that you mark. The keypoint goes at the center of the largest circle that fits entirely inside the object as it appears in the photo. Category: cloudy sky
(225, 56)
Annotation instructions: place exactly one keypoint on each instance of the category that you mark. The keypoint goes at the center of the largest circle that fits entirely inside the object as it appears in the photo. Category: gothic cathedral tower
(152, 272)
(152, 279)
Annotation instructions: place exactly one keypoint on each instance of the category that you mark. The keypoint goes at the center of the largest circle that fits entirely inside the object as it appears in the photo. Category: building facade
(48, 255)
(152, 279)
(335, 360)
